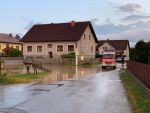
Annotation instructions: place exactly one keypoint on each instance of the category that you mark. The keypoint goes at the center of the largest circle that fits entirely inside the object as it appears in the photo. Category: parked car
(126, 58)
(119, 59)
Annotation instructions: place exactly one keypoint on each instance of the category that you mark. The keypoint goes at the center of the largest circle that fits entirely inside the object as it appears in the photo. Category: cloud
(133, 35)
(136, 17)
(130, 8)
(133, 32)
(109, 27)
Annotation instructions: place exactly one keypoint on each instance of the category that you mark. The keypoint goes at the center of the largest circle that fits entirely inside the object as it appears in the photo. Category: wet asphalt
(102, 92)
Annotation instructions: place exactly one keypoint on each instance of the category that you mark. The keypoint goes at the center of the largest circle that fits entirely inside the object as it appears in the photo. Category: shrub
(14, 53)
(98, 56)
(69, 55)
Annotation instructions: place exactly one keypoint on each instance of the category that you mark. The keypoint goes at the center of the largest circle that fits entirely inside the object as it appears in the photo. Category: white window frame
(71, 45)
(60, 45)
(31, 48)
(49, 47)
(37, 49)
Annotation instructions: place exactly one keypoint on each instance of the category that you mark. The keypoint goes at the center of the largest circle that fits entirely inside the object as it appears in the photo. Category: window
(89, 37)
(29, 48)
(59, 48)
(91, 48)
(49, 45)
(39, 48)
(17, 47)
(70, 47)
(7, 45)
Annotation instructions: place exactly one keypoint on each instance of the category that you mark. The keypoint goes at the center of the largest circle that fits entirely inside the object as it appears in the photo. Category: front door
(50, 54)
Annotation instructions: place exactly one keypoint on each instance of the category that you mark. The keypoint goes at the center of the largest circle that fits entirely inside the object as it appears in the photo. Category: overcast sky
(113, 19)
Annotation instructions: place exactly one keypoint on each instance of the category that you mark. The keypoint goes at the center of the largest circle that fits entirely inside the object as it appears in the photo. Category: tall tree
(132, 54)
(141, 52)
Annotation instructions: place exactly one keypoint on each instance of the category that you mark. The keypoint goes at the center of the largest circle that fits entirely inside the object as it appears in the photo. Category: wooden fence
(141, 71)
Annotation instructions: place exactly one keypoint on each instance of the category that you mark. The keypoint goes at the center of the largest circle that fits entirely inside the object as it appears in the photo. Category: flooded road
(83, 90)
(60, 72)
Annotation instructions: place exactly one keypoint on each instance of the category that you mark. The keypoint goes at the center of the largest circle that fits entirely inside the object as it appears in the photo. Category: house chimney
(72, 23)
(10, 35)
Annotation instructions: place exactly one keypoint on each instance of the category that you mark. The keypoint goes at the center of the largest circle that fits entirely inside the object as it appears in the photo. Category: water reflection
(57, 72)
(60, 72)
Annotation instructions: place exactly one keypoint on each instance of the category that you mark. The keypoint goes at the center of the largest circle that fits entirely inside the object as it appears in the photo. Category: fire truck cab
(108, 59)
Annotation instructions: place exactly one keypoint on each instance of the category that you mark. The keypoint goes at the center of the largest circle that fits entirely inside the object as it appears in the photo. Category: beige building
(53, 40)
(119, 46)
(7, 42)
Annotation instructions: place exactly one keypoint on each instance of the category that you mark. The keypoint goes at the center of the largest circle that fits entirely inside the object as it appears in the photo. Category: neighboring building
(120, 46)
(53, 40)
(8, 41)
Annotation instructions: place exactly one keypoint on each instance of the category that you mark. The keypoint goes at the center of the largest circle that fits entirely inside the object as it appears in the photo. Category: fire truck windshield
(108, 56)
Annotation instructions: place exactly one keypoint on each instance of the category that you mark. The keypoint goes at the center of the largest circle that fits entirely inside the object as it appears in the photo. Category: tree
(132, 54)
(14, 53)
(141, 52)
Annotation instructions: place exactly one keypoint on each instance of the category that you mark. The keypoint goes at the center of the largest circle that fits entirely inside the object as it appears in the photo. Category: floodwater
(60, 72)
(57, 72)
(83, 90)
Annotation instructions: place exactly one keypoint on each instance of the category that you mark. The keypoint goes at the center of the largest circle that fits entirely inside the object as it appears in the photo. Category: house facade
(53, 40)
(119, 46)
(8, 41)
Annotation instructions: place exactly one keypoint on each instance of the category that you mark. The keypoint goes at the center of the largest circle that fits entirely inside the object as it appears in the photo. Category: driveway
(102, 92)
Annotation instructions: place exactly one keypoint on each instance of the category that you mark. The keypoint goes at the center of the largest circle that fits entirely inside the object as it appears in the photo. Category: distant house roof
(8, 38)
(57, 32)
(117, 44)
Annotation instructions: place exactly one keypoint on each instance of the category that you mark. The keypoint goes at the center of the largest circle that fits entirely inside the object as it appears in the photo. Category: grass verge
(139, 99)
(21, 78)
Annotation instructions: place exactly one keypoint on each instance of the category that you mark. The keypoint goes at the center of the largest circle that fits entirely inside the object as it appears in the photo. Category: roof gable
(117, 44)
(8, 38)
(57, 32)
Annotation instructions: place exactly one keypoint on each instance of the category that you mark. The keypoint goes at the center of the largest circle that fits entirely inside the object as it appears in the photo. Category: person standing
(122, 61)
(28, 68)
(35, 68)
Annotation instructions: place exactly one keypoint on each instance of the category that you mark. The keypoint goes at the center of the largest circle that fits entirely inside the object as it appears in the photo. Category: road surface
(98, 93)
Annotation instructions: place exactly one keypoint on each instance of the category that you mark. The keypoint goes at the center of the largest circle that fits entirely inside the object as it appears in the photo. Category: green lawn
(139, 99)
(21, 78)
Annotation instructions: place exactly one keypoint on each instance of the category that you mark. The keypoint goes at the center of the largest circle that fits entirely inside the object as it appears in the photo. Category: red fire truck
(108, 59)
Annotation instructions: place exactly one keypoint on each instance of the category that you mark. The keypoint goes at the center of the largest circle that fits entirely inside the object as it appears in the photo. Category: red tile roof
(57, 32)
(117, 44)
(8, 38)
